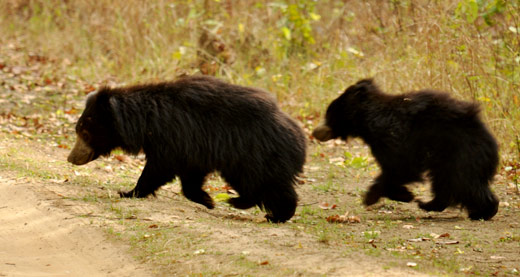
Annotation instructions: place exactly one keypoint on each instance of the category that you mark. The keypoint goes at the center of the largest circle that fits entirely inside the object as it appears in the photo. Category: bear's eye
(86, 135)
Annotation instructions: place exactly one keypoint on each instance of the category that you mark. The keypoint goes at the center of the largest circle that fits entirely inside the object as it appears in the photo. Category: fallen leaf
(408, 226)
(447, 242)
(121, 158)
(63, 146)
(338, 160)
(221, 197)
(153, 226)
(401, 249)
(264, 263)
(226, 187)
(327, 206)
(89, 88)
(333, 218)
(343, 218)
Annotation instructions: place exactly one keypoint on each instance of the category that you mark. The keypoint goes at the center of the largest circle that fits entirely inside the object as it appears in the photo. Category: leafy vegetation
(302, 51)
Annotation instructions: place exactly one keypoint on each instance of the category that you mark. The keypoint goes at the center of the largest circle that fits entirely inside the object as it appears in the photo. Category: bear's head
(95, 131)
(345, 112)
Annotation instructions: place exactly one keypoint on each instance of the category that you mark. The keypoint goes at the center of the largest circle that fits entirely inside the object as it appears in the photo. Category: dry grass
(304, 52)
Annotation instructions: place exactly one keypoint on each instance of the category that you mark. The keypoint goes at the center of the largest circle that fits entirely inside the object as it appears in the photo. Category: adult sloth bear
(195, 126)
(417, 132)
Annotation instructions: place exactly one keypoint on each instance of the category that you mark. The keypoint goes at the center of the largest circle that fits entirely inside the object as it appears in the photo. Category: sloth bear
(415, 133)
(192, 127)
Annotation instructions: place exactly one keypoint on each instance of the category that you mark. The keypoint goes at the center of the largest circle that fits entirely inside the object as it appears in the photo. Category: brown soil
(60, 220)
(38, 237)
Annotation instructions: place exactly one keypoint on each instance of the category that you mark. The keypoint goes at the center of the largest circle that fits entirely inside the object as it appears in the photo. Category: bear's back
(214, 93)
(438, 106)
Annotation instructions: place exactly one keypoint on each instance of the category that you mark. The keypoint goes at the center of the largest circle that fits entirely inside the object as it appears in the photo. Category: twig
(132, 217)
(308, 204)
(516, 176)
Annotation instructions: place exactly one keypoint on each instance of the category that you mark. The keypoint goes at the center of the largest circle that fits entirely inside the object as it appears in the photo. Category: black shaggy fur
(418, 132)
(197, 125)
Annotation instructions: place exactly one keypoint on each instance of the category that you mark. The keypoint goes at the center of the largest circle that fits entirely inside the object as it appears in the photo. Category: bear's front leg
(152, 177)
(192, 182)
(376, 191)
(399, 193)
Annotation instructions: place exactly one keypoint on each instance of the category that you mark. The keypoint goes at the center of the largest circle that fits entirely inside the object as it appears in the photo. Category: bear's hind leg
(150, 180)
(481, 204)
(280, 204)
(389, 186)
(192, 188)
(272, 194)
(442, 189)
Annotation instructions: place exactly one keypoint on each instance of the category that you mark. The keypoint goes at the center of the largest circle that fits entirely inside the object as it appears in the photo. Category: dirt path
(39, 239)
(48, 229)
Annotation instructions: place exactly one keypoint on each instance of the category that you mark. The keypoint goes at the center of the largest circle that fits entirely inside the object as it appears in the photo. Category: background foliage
(303, 51)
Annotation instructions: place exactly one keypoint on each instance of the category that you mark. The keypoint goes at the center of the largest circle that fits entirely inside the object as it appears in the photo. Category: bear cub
(415, 133)
(195, 126)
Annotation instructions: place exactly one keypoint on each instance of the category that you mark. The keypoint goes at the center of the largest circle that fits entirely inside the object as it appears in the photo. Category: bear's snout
(322, 133)
(81, 153)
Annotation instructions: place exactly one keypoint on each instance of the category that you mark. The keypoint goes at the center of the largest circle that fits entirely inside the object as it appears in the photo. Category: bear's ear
(91, 98)
(361, 87)
(365, 82)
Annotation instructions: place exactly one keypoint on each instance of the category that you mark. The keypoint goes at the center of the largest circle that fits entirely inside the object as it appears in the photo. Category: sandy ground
(37, 238)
